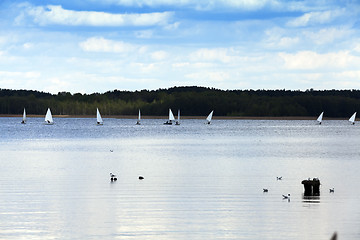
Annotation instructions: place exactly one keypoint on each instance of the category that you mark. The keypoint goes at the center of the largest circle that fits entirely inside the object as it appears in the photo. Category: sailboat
(138, 121)
(48, 118)
(178, 119)
(24, 117)
(352, 119)
(319, 119)
(171, 118)
(99, 120)
(208, 119)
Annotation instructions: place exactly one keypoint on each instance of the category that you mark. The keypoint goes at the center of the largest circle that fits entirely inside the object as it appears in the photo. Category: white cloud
(213, 76)
(172, 27)
(5, 74)
(27, 45)
(145, 34)
(100, 44)
(183, 46)
(204, 5)
(248, 4)
(357, 48)
(180, 65)
(20, 80)
(52, 14)
(145, 67)
(327, 35)
(275, 39)
(313, 18)
(355, 75)
(159, 55)
(210, 55)
(312, 60)
(286, 42)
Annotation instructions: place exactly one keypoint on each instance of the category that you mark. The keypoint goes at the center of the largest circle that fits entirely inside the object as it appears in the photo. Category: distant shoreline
(165, 117)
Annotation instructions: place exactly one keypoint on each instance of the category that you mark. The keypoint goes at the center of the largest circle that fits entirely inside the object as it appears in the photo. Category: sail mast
(178, 118)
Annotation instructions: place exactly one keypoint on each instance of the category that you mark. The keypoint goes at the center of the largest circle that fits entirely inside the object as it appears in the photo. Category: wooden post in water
(311, 187)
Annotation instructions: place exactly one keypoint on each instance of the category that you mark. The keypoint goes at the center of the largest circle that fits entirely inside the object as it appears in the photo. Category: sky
(92, 46)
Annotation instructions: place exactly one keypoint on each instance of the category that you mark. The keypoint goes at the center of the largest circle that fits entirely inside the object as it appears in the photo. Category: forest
(192, 100)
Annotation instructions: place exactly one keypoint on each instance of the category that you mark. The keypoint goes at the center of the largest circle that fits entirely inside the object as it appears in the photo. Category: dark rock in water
(141, 177)
(311, 187)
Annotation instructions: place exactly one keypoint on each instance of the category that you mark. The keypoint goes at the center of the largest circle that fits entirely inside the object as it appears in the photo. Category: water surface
(201, 181)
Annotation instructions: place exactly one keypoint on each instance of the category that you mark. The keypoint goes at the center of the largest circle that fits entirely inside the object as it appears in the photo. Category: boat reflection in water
(311, 199)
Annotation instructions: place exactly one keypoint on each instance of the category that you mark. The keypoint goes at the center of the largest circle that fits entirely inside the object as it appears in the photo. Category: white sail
(178, 118)
(319, 119)
(24, 117)
(208, 119)
(48, 117)
(352, 119)
(171, 115)
(99, 120)
(139, 118)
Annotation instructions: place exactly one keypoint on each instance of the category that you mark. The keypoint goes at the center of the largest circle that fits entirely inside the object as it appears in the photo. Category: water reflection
(311, 199)
(202, 182)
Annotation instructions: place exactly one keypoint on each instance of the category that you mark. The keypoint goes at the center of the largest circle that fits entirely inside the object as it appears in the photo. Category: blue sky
(95, 46)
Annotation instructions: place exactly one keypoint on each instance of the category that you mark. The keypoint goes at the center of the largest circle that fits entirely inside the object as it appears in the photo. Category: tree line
(192, 100)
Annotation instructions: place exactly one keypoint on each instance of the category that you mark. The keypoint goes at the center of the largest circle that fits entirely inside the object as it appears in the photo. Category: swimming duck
(113, 177)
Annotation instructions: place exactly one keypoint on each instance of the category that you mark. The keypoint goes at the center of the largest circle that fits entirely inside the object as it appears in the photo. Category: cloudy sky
(99, 45)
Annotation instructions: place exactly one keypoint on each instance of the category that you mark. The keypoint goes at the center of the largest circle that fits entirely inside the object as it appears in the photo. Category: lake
(200, 181)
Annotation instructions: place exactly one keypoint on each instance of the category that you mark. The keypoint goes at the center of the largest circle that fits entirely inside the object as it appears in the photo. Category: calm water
(201, 181)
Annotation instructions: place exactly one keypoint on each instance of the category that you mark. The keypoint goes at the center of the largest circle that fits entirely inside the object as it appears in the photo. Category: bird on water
(286, 197)
(113, 177)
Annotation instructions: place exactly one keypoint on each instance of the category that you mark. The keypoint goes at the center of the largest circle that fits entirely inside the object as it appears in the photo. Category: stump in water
(311, 187)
